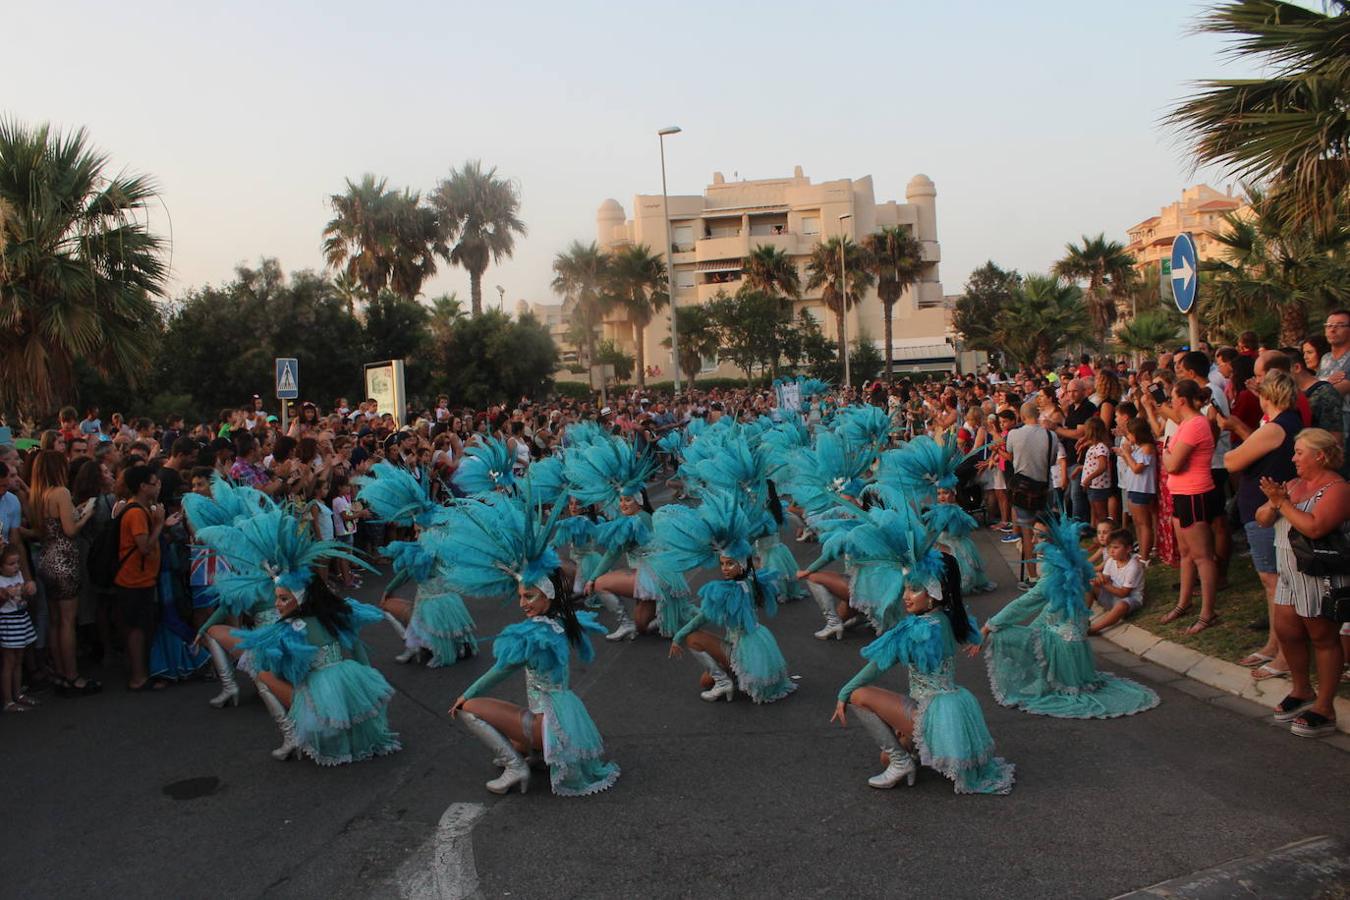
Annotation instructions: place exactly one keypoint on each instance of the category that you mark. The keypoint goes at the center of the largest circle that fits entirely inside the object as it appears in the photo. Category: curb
(1208, 670)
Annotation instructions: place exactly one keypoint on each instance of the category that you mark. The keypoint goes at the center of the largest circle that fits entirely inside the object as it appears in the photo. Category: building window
(709, 363)
(810, 224)
(684, 278)
(683, 238)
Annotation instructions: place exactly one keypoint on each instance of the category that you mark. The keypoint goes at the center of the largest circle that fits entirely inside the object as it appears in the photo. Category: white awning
(721, 265)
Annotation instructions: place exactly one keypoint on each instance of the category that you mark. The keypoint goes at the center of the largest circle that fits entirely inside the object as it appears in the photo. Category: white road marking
(443, 869)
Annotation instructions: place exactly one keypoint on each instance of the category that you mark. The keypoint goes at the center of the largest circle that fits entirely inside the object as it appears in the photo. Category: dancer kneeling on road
(938, 721)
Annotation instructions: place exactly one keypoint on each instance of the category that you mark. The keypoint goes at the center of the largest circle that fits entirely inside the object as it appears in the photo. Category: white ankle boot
(224, 666)
(826, 602)
(723, 686)
(899, 764)
(516, 771)
(626, 630)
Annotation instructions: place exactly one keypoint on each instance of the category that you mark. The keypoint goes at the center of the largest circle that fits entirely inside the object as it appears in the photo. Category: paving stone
(1132, 638)
(1228, 677)
(1173, 656)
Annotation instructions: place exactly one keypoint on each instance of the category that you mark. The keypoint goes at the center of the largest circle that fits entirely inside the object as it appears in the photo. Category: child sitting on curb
(1120, 586)
(1105, 528)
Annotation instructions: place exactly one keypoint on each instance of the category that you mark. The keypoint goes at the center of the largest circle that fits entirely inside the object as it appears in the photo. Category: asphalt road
(159, 795)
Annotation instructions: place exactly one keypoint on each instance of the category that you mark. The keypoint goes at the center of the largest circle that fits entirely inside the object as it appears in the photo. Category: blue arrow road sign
(288, 379)
(1185, 272)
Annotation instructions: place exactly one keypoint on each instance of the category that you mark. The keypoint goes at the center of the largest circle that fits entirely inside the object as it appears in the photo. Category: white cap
(606, 411)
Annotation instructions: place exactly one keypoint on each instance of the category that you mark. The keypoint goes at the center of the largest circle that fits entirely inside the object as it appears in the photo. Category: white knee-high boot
(625, 630)
(288, 747)
(224, 666)
(516, 770)
(900, 765)
(826, 601)
(723, 686)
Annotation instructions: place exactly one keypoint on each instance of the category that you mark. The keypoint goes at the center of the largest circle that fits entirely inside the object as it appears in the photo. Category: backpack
(105, 559)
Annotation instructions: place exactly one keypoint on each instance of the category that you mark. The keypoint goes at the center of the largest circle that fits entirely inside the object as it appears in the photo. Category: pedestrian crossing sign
(288, 379)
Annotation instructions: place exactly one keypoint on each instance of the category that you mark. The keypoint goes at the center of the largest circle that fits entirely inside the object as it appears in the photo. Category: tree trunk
(476, 293)
(641, 355)
(1293, 323)
(886, 310)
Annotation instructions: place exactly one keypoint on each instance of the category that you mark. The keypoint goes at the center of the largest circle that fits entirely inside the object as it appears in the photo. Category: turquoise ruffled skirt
(761, 671)
(339, 714)
(442, 624)
(968, 558)
(573, 747)
(674, 605)
(1033, 668)
(951, 737)
(774, 556)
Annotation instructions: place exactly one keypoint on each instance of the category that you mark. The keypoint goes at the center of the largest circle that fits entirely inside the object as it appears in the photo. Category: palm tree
(698, 340)
(897, 262)
(480, 213)
(1044, 316)
(1146, 332)
(416, 242)
(1273, 260)
(1288, 128)
(580, 275)
(1108, 270)
(446, 312)
(356, 241)
(637, 279)
(79, 267)
(771, 271)
(823, 274)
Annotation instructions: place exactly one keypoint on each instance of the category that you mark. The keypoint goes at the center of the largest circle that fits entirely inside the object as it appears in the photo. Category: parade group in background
(572, 537)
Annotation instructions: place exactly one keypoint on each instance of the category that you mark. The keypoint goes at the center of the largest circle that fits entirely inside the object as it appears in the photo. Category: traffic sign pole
(1184, 276)
(288, 386)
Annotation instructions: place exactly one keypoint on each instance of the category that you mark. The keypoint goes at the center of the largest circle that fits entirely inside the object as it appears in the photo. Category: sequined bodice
(1068, 630)
(266, 616)
(328, 655)
(943, 681)
(537, 684)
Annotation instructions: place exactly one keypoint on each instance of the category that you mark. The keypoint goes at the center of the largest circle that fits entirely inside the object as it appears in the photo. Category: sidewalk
(1162, 661)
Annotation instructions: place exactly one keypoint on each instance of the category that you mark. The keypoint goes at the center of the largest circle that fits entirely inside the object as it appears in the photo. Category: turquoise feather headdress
(819, 477)
(269, 549)
(865, 425)
(485, 467)
(602, 473)
(694, 537)
(1066, 573)
(496, 544)
(394, 495)
(917, 469)
(228, 503)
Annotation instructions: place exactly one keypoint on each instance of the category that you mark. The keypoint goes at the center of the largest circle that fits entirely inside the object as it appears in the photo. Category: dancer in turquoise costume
(436, 624)
(611, 474)
(486, 468)
(938, 720)
(954, 526)
(505, 545)
(226, 505)
(310, 666)
(718, 533)
(1046, 666)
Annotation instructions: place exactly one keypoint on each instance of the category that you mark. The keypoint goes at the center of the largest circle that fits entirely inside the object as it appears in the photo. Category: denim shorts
(1099, 495)
(1023, 517)
(1139, 499)
(1262, 543)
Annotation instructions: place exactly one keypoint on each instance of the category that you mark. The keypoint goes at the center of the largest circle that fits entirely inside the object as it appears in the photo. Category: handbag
(1335, 604)
(1030, 494)
(1324, 556)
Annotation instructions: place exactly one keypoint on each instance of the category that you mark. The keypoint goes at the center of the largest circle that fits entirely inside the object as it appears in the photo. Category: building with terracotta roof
(1200, 211)
(713, 232)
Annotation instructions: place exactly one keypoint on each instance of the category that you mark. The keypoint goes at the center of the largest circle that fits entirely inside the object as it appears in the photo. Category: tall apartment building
(712, 233)
(1200, 211)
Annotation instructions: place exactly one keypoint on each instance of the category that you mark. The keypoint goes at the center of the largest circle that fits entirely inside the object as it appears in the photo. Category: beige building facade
(712, 233)
(1200, 211)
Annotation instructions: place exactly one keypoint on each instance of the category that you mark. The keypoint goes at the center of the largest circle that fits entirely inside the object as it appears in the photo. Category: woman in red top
(1246, 405)
(1195, 502)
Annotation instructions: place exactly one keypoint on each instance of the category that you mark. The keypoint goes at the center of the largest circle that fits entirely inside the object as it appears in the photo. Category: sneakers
(1010, 538)
(1005, 527)
(1026, 584)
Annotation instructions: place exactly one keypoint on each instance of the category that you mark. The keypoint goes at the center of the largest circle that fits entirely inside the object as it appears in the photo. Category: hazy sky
(1037, 121)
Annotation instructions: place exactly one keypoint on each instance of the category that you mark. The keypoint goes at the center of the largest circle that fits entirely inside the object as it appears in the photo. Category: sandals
(1291, 707)
(1177, 612)
(1253, 660)
(16, 708)
(1313, 725)
(1202, 623)
(1267, 672)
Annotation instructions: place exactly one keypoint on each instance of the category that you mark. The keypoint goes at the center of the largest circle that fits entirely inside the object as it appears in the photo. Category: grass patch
(1242, 601)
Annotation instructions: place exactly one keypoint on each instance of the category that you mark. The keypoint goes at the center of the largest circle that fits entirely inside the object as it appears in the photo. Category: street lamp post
(670, 255)
(843, 299)
(501, 299)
